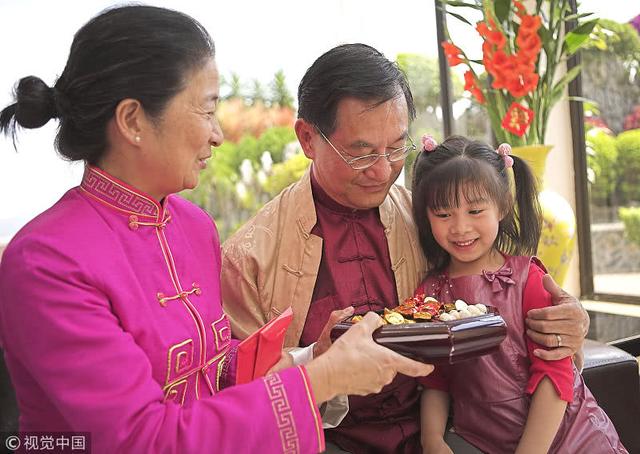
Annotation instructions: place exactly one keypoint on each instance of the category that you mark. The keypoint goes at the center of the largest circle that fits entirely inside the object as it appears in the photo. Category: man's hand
(562, 327)
(324, 341)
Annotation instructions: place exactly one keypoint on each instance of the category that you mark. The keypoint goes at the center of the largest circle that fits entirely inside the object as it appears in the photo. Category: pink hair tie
(504, 150)
(428, 143)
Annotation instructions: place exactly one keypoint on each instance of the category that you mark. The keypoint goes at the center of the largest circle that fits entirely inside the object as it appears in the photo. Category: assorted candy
(421, 308)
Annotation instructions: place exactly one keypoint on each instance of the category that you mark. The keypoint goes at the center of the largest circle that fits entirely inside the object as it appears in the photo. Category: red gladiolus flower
(502, 61)
(471, 85)
(469, 80)
(487, 56)
(517, 119)
(498, 39)
(483, 29)
(491, 34)
(529, 24)
(478, 95)
(529, 44)
(522, 84)
(504, 69)
(453, 53)
(520, 7)
(526, 62)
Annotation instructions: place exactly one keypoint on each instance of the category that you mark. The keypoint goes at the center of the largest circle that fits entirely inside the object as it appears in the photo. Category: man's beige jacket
(272, 262)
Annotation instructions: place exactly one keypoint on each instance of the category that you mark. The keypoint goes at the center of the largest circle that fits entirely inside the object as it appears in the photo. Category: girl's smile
(468, 233)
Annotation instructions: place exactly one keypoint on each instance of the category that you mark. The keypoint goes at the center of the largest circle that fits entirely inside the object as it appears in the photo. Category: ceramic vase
(558, 237)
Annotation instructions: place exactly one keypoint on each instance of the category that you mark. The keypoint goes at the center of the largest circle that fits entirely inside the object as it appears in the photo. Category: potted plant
(523, 53)
(520, 75)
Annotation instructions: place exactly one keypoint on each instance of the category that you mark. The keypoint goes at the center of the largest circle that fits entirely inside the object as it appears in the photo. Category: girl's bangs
(473, 180)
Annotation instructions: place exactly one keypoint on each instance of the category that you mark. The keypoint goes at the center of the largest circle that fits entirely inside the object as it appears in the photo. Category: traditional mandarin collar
(119, 195)
(321, 197)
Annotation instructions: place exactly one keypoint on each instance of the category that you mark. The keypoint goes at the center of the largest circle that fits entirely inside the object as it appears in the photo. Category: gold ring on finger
(559, 339)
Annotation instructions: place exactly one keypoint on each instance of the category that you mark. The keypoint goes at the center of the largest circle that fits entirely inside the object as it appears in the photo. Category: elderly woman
(110, 314)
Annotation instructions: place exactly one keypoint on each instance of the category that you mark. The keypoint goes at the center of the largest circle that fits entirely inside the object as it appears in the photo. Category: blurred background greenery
(611, 82)
(261, 156)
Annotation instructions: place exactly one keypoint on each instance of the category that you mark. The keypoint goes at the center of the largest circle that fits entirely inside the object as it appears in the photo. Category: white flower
(241, 190)
(267, 161)
(262, 177)
(246, 171)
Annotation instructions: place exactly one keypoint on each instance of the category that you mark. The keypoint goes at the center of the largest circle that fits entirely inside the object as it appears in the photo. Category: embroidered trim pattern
(219, 369)
(283, 414)
(221, 332)
(117, 195)
(184, 349)
(177, 392)
(223, 372)
(193, 372)
(314, 408)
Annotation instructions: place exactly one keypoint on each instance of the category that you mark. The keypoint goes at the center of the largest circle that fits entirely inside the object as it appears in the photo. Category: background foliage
(611, 81)
(259, 157)
(611, 69)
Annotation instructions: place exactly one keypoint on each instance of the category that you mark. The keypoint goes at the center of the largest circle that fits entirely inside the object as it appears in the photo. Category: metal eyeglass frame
(353, 162)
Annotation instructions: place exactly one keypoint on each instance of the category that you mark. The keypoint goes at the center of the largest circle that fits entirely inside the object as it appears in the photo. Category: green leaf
(568, 77)
(459, 17)
(502, 9)
(576, 16)
(545, 34)
(547, 41)
(586, 27)
(581, 99)
(578, 37)
(461, 4)
(555, 95)
(558, 88)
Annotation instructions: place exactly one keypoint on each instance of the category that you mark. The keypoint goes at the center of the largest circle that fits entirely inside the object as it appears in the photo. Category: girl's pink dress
(491, 394)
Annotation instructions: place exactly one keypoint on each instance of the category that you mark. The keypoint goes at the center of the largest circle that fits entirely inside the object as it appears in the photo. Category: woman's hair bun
(35, 103)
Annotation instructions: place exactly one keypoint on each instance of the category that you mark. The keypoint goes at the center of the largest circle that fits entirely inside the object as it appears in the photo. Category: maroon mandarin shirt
(355, 270)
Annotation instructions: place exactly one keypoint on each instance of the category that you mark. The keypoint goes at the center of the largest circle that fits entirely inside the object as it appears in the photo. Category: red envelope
(263, 349)
(247, 350)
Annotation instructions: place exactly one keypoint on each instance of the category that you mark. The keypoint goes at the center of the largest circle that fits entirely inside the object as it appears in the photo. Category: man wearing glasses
(342, 236)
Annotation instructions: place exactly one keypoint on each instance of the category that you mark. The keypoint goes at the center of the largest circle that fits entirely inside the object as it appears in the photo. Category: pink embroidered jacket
(111, 323)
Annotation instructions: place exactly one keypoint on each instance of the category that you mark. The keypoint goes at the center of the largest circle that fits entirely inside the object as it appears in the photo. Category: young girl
(478, 236)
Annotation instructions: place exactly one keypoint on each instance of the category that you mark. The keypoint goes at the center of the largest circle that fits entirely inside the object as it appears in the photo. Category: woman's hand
(355, 364)
(562, 327)
(286, 361)
(324, 341)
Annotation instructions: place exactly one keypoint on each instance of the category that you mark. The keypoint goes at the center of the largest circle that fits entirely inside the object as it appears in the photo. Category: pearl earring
(138, 139)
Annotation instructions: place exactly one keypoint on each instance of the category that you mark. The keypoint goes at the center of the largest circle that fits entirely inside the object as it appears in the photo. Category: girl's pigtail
(528, 210)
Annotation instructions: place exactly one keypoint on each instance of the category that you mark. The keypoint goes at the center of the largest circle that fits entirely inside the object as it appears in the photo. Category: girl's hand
(436, 446)
(565, 323)
(355, 364)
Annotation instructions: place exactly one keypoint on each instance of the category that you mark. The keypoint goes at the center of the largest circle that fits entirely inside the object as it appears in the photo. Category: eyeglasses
(366, 161)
